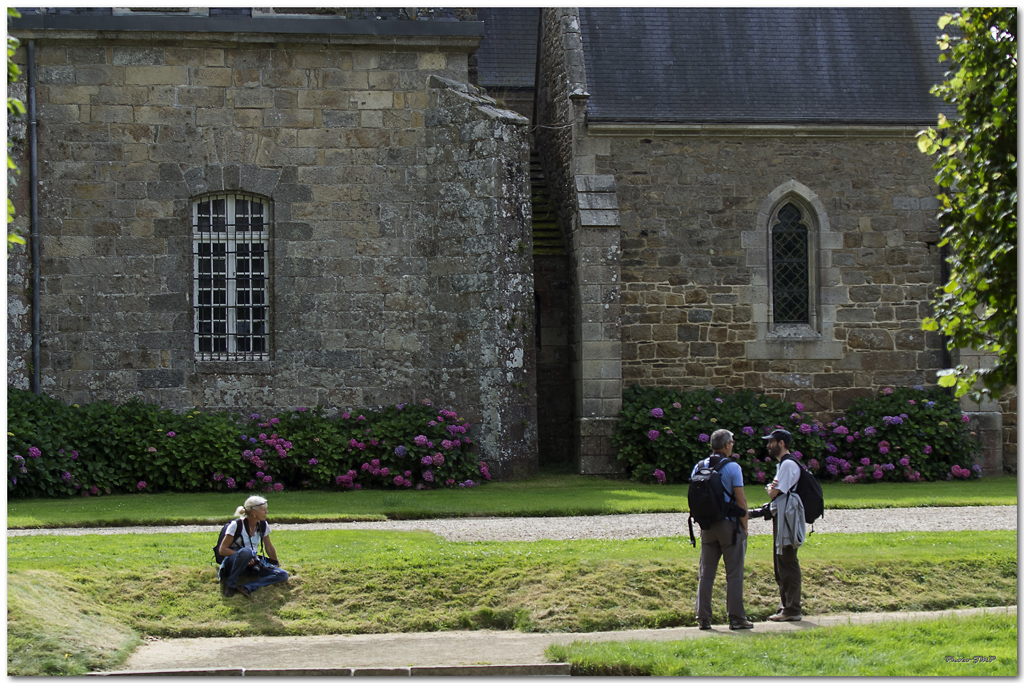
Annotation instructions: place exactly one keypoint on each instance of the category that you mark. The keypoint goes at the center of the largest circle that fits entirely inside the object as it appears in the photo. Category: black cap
(780, 435)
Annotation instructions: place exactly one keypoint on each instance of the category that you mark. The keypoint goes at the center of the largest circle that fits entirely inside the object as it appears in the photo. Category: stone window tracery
(231, 265)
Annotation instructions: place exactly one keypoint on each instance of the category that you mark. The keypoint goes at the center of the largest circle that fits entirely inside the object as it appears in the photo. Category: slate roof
(762, 65)
(507, 56)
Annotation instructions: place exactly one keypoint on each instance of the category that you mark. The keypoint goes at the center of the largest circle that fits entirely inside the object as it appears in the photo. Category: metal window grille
(230, 237)
(791, 301)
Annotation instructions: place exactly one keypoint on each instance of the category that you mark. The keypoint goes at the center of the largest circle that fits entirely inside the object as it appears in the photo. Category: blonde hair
(250, 503)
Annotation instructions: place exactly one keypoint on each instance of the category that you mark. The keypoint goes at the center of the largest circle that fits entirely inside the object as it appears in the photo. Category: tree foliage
(15, 107)
(977, 168)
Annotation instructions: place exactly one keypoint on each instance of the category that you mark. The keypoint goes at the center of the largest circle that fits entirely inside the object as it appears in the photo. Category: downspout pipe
(33, 172)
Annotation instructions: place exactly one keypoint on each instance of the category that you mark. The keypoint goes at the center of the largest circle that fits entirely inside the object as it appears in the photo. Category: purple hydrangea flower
(314, 461)
(420, 440)
(141, 485)
(427, 461)
(652, 435)
(34, 452)
(704, 438)
(657, 412)
(660, 476)
(749, 431)
(401, 451)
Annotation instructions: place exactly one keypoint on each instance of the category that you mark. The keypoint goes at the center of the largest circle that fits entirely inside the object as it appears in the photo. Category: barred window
(231, 249)
(791, 301)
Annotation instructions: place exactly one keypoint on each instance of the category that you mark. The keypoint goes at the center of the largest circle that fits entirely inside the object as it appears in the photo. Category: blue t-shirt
(732, 476)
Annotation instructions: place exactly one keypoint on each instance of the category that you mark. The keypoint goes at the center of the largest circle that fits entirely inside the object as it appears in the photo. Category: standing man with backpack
(788, 525)
(721, 536)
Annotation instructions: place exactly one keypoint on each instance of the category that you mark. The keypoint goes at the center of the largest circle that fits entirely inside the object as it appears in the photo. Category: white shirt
(242, 536)
(786, 477)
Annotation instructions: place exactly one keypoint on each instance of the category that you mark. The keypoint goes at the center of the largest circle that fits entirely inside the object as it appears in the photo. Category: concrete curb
(553, 669)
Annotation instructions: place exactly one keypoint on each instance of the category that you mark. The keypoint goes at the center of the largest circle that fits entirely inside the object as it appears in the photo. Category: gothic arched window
(790, 266)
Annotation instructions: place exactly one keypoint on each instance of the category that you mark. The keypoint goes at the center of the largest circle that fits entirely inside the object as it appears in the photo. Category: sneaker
(781, 616)
(704, 624)
(740, 625)
(226, 590)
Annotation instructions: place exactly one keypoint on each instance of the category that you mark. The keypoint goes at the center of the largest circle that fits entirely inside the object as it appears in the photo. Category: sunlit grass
(544, 495)
(375, 582)
(983, 645)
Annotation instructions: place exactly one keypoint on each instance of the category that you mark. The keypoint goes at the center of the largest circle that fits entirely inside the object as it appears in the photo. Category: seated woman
(239, 547)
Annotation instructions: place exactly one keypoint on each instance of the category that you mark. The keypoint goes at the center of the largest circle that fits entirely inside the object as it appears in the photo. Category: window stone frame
(789, 341)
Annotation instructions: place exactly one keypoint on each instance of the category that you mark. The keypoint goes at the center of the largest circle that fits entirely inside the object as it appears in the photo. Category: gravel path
(985, 518)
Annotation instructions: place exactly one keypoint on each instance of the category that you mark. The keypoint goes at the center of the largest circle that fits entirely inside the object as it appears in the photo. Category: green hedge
(59, 450)
(902, 434)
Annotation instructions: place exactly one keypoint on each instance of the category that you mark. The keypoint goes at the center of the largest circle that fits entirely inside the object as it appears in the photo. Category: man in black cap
(788, 526)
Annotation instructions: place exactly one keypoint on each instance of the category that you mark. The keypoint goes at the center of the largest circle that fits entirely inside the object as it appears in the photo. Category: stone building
(251, 209)
(726, 198)
(744, 205)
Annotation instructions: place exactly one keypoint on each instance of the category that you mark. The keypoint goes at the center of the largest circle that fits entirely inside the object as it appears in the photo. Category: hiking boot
(782, 616)
(739, 624)
(704, 624)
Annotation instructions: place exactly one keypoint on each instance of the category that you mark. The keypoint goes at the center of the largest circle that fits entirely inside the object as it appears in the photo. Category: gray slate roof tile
(762, 65)
(507, 55)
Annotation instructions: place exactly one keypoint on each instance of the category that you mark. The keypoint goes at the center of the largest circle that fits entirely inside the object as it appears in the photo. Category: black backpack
(261, 528)
(809, 490)
(706, 497)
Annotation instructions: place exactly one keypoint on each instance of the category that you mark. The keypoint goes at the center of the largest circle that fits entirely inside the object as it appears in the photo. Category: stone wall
(587, 212)
(694, 208)
(400, 248)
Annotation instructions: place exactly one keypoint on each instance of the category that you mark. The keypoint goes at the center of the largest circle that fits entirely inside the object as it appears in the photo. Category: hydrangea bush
(901, 434)
(59, 450)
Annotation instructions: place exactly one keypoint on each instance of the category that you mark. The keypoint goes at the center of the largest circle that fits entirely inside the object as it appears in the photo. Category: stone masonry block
(595, 183)
(599, 218)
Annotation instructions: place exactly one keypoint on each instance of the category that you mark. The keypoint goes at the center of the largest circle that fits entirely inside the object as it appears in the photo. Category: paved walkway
(463, 653)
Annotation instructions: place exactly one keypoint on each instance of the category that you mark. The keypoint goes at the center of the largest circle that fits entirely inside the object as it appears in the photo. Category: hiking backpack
(809, 490)
(261, 528)
(706, 497)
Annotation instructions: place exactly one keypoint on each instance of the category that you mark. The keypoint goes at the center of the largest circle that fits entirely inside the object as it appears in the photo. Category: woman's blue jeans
(233, 566)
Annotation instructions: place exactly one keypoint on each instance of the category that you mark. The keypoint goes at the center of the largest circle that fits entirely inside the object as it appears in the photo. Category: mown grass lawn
(983, 645)
(376, 582)
(80, 604)
(544, 495)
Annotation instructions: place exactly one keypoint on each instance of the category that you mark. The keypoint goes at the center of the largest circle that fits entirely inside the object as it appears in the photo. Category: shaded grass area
(984, 645)
(374, 582)
(548, 494)
(54, 628)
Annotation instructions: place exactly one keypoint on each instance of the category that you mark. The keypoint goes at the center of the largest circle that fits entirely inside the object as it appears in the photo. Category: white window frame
(229, 344)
